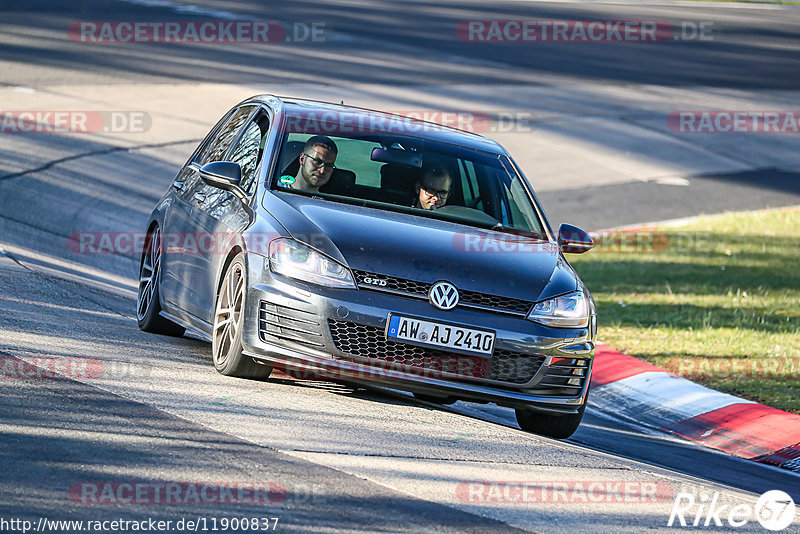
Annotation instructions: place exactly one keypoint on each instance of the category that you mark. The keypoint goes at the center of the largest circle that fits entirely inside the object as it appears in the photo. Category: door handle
(200, 198)
(178, 184)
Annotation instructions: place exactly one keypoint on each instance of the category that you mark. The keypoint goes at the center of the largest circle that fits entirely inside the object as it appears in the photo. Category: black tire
(148, 300)
(553, 426)
(445, 399)
(226, 335)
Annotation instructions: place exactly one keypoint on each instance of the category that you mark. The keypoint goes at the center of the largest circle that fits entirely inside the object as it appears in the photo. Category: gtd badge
(443, 295)
(374, 281)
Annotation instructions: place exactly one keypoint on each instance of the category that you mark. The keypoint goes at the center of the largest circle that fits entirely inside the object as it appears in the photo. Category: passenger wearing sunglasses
(433, 188)
(316, 165)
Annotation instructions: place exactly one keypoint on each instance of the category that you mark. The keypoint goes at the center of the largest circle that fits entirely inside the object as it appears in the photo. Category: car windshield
(412, 175)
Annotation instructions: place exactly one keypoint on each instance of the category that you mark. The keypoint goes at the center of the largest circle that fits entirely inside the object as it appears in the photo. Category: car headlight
(296, 260)
(567, 311)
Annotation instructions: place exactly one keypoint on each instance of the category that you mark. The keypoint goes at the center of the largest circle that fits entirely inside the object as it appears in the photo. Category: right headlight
(296, 260)
(567, 311)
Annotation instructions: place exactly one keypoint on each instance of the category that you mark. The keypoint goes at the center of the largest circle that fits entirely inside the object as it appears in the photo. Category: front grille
(288, 324)
(416, 289)
(565, 376)
(401, 285)
(362, 342)
(517, 306)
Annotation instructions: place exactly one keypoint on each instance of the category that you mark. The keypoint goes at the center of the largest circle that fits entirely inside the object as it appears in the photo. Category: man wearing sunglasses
(433, 188)
(316, 165)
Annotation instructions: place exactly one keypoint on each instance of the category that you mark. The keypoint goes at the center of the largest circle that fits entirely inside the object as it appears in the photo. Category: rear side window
(210, 137)
(216, 150)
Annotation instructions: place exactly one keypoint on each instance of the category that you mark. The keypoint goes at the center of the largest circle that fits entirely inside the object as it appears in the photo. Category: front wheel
(226, 341)
(553, 426)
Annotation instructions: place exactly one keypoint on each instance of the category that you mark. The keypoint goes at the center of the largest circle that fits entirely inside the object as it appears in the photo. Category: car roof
(302, 108)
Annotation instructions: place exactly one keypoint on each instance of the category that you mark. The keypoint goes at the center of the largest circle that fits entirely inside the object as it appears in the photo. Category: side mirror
(572, 239)
(222, 174)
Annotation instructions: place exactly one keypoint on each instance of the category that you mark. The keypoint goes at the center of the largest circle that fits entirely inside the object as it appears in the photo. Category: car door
(176, 215)
(186, 247)
(223, 215)
(219, 215)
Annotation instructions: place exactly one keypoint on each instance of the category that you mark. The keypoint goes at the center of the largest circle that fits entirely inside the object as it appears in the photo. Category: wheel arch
(232, 253)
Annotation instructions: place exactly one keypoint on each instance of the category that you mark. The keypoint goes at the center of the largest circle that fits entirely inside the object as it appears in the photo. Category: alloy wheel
(148, 273)
(228, 314)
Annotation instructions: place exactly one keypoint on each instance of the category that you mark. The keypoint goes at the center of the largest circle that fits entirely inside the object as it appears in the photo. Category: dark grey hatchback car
(360, 246)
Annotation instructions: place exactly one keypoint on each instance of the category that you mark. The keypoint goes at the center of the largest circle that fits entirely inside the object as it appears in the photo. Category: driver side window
(250, 148)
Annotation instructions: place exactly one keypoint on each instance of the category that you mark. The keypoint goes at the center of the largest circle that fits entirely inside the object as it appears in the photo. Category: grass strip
(716, 300)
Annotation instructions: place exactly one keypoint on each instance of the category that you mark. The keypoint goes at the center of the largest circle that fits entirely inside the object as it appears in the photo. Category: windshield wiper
(519, 233)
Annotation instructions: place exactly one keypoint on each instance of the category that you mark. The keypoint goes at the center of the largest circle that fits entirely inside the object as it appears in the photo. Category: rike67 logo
(774, 510)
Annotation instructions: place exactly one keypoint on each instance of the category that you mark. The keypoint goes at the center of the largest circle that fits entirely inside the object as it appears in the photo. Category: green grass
(763, 2)
(779, 2)
(717, 301)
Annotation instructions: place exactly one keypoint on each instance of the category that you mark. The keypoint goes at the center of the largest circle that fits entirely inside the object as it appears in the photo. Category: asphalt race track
(586, 121)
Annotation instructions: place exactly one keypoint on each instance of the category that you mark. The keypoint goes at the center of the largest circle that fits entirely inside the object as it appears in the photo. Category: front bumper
(294, 326)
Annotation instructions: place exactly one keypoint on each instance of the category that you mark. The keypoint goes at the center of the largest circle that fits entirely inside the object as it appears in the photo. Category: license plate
(440, 335)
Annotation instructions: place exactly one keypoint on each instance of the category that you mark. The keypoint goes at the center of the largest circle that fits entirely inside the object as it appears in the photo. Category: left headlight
(567, 311)
(296, 260)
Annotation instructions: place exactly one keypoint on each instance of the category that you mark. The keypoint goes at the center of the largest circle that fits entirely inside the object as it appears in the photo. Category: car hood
(428, 250)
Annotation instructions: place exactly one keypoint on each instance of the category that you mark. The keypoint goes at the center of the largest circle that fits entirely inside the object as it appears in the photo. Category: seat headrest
(398, 178)
(289, 154)
(343, 176)
(341, 182)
